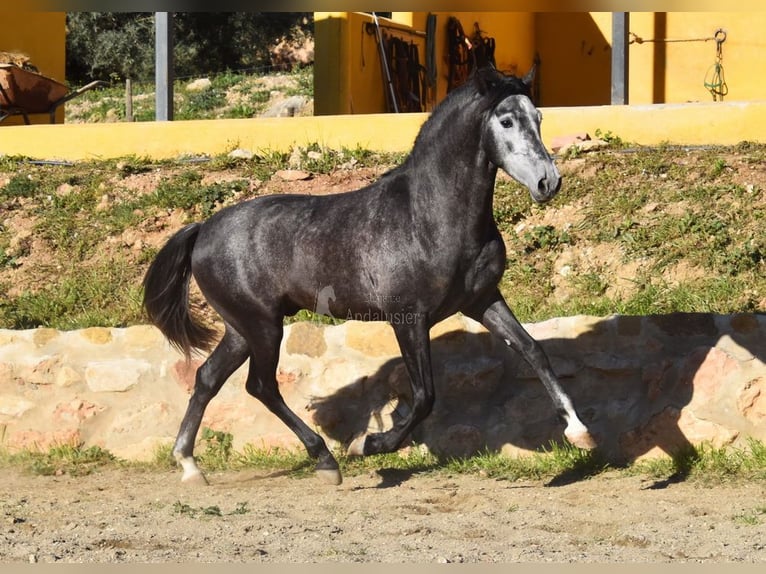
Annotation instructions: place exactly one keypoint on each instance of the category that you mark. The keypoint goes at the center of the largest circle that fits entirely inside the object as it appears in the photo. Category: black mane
(481, 93)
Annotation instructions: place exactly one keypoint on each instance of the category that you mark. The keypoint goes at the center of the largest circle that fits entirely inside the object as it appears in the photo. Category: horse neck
(458, 184)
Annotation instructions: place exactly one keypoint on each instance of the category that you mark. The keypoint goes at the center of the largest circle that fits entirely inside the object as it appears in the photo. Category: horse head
(511, 133)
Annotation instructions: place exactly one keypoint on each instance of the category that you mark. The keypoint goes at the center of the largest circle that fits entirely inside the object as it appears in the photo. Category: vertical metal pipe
(620, 61)
(163, 73)
(128, 100)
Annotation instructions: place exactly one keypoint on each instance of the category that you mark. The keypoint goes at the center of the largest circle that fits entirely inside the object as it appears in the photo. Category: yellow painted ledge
(691, 124)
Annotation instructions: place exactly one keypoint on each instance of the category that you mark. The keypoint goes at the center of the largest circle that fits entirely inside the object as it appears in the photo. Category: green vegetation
(634, 231)
(672, 231)
(118, 45)
(706, 464)
(63, 459)
(86, 223)
(230, 95)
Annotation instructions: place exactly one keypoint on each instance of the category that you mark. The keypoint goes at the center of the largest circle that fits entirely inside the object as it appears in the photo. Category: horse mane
(484, 89)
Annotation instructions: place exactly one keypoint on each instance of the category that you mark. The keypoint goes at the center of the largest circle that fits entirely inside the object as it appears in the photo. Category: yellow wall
(42, 37)
(575, 58)
(676, 71)
(348, 77)
(575, 54)
(706, 123)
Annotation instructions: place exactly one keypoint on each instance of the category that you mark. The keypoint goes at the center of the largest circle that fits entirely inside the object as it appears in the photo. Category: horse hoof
(192, 474)
(356, 448)
(194, 478)
(330, 476)
(581, 439)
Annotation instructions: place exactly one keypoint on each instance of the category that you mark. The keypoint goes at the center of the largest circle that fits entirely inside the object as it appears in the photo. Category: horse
(415, 246)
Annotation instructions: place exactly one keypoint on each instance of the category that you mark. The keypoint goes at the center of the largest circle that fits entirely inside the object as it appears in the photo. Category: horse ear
(486, 78)
(530, 75)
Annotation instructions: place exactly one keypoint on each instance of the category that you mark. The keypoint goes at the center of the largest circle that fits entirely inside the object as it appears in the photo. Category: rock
(240, 153)
(292, 174)
(373, 338)
(558, 143)
(199, 85)
(290, 107)
(12, 406)
(97, 335)
(307, 339)
(646, 386)
(114, 376)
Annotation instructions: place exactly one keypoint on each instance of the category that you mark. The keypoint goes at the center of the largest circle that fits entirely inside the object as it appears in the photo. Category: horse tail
(166, 294)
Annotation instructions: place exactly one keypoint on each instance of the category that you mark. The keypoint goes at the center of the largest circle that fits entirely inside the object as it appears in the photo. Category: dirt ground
(123, 515)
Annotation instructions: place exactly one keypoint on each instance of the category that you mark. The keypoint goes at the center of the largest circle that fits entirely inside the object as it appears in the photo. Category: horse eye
(506, 123)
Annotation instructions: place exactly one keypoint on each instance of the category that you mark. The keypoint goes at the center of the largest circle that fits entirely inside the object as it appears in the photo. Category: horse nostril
(548, 188)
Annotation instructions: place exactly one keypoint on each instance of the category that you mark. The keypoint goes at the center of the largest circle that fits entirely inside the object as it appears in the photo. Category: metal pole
(163, 73)
(128, 100)
(620, 63)
(390, 94)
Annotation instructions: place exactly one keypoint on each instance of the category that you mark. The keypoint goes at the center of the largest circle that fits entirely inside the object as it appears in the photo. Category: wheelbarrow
(23, 92)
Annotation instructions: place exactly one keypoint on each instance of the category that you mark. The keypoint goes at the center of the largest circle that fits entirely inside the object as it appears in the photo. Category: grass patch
(704, 463)
(229, 95)
(74, 460)
(83, 296)
(654, 210)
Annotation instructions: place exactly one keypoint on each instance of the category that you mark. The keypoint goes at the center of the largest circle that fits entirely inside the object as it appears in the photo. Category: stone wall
(644, 385)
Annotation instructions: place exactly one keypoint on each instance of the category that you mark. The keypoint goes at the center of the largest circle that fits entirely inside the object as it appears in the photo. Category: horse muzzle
(547, 186)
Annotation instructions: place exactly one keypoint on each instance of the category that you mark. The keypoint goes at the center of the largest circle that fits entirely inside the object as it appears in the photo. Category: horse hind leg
(226, 358)
(262, 384)
(416, 352)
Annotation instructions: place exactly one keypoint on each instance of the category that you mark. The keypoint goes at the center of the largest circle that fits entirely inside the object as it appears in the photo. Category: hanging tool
(390, 95)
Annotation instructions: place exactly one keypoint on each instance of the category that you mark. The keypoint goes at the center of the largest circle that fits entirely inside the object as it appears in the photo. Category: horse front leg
(226, 358)
(413, 338)
(501, 322)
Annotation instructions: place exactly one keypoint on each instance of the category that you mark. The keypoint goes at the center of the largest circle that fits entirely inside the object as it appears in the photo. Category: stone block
(374, 338)
(305, 338)
(115, 376)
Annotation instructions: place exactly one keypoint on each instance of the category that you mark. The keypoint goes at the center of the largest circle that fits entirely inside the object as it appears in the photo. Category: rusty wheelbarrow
(24, 92)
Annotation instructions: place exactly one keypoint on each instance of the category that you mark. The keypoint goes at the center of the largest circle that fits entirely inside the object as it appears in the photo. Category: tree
(119, 45)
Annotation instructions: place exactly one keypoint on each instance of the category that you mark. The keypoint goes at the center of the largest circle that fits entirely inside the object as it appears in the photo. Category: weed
(557, 461)
(545, 237)
(83, 296)
(19, 186)
(610, 138)
(214, 510)
(74, 460)
(719, 165)
(218, 450)
(752, 517)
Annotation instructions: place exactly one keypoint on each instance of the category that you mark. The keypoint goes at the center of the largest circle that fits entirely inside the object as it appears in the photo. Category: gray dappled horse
(412, 248)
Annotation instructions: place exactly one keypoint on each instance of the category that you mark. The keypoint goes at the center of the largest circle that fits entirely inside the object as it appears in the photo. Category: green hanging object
(715, 80)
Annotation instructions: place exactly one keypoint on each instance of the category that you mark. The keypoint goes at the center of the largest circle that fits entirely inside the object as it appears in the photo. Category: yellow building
(672, 55)
(670, 59)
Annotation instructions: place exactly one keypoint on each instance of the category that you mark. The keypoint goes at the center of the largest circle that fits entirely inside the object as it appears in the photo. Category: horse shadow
(630, 378)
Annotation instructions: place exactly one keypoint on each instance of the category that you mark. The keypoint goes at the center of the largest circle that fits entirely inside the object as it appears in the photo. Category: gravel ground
(126, 515)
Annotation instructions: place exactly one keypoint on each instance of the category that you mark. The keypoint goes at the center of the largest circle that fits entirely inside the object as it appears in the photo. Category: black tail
(166, 294)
